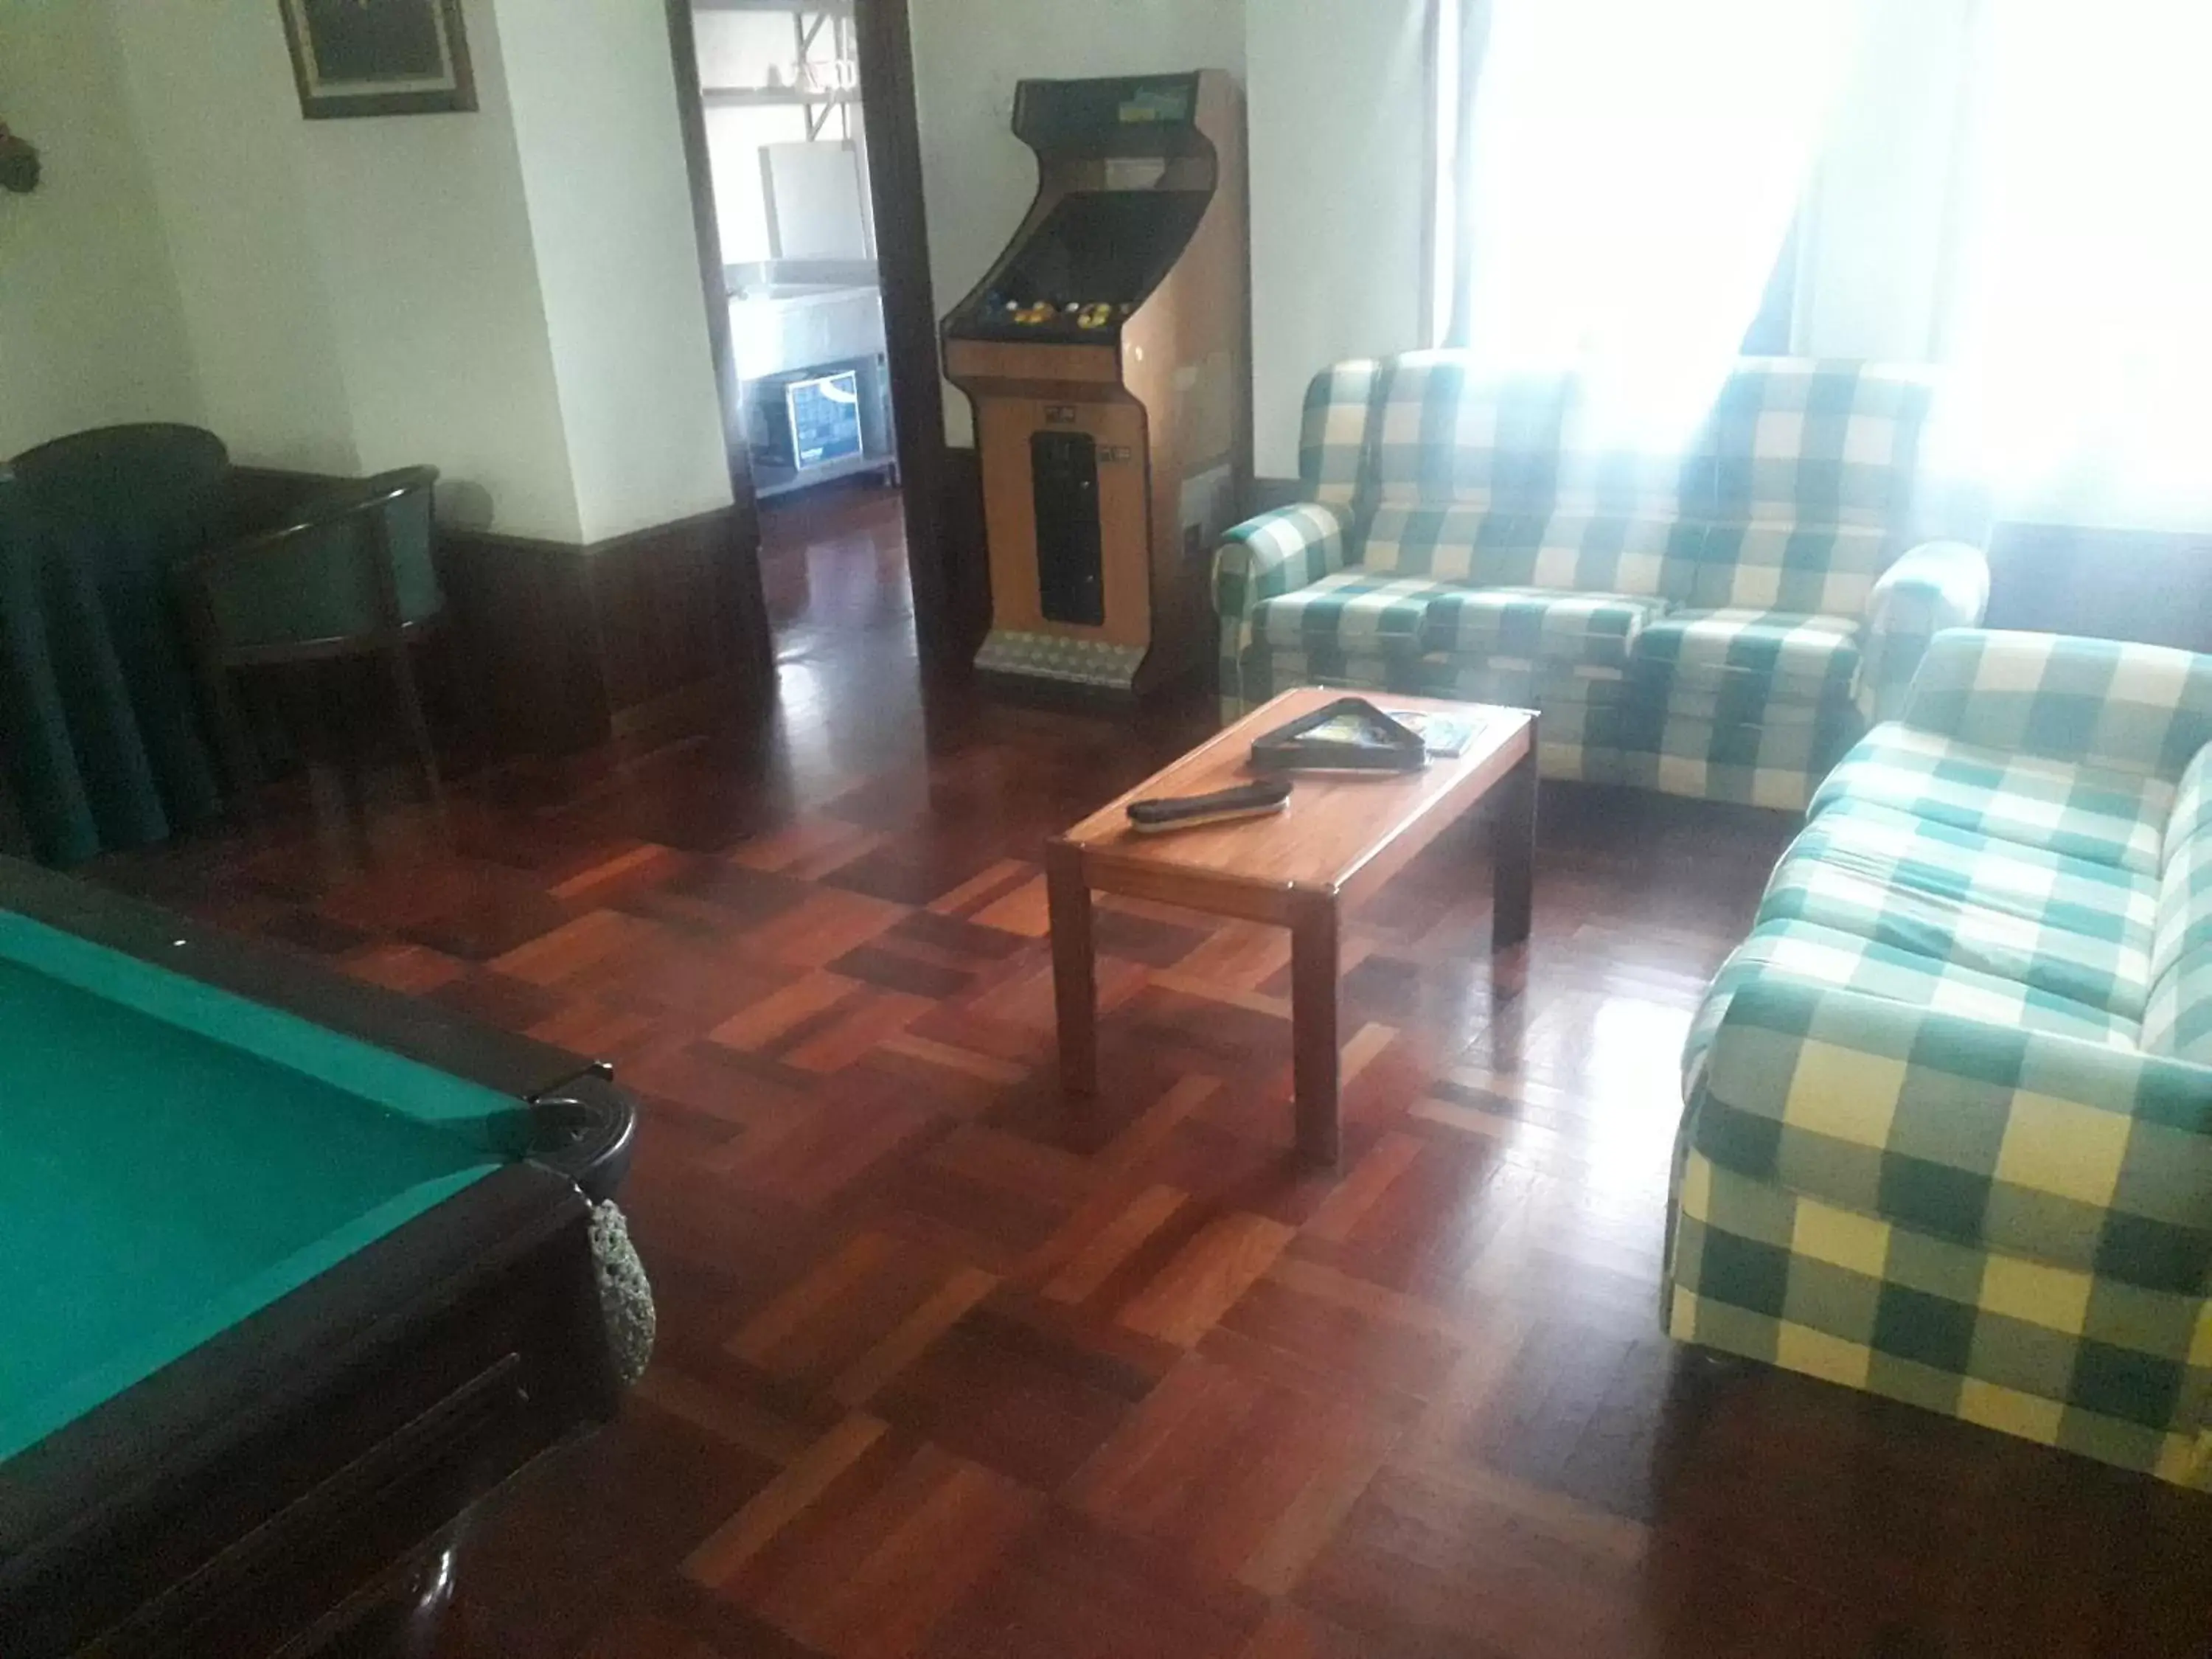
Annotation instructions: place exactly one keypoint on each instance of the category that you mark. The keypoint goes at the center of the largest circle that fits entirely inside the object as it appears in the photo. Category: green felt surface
(174, 1159)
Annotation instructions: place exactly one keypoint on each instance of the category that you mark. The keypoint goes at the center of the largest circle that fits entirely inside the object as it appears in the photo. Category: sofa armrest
(1277, 552)
(2051, 1147)
(2145, 709)
(1265, 557)
(1935, 586)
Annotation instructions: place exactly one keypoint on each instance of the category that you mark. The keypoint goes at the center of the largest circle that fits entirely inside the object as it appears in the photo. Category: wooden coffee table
(1341, 836)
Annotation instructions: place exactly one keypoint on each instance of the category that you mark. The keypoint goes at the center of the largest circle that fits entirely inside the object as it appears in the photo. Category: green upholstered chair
(352, 574)
(105, 746)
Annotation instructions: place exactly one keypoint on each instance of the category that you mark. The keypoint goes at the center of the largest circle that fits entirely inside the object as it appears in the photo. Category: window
(1632, 171)
(2014, 188)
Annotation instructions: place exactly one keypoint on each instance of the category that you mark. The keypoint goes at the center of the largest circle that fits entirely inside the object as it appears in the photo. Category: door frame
(949, 619)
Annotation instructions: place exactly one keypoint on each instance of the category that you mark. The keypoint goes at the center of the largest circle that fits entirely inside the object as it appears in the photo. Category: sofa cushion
(2081, 812)
(1807, 659)
(1446, 544)
(1781, 564)
(1447, 431)
(2078, 930)
(1538, 625)
(1483, 547)
(1332, 434)
(1450, 430)
(1358, 610)
(1827, 443)
(2178, 1020)
(2113, 704)
(1815, 954)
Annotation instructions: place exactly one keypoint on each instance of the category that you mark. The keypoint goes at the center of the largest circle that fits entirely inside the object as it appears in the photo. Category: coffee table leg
(1314, 961)
(1074, 984)
(1513, 844)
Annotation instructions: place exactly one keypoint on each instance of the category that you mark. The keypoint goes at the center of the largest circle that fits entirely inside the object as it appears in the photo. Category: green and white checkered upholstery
(1813, 467)
(2028, 1347)
(1801, 442)
(1360, 611)
(1804, 658)
(1350, 671)
(1786, 568)
(1262, 559)
(1479, 548)
(1535, 624)
(1938, 585)
(1948, 1123)
(1333, 447)
(2074, 1153)
(2177, 1019)
(1843, 960)
(1769, 531)
(2068, 928)
(2083, 811)
(2136, 708)
(1444, 432)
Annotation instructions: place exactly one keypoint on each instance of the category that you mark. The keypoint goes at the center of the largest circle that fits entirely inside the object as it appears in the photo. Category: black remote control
(1249, 800)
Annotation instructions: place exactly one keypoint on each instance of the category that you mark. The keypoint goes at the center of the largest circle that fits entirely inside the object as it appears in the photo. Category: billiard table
(293, 1270)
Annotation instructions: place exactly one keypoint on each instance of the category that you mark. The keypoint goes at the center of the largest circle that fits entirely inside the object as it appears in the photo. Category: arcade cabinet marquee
(1106, 355)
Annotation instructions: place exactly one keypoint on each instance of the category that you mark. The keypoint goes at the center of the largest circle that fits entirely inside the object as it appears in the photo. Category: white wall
(511, 294)
(224, 165)
(610, 204)
(90, 331)
(438, 316)
(1337, 93)
(358, 294)
(977, 178)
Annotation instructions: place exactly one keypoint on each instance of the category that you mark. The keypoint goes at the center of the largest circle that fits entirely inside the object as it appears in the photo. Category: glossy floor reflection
(951, 1367)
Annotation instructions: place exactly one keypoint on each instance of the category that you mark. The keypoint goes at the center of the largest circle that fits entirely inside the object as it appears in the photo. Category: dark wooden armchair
(351, 575)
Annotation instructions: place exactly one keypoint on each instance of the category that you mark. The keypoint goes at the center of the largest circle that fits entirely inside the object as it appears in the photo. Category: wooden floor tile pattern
(950, 1367)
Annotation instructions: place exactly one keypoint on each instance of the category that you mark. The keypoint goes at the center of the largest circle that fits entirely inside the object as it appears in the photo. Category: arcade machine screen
(1089, 265)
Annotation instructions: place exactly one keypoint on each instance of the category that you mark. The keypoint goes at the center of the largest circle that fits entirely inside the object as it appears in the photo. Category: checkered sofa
(1721, 616)
(1948, 1130)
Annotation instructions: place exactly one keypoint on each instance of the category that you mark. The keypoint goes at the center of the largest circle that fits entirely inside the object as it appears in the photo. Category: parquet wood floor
(951, 1369)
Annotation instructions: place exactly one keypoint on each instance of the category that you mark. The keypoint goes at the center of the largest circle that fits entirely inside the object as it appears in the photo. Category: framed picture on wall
(378, 57)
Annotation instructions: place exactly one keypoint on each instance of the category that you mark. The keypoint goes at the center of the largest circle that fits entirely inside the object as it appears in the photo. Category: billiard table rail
(506, 1062)
(238, 1493)
(239, 1502)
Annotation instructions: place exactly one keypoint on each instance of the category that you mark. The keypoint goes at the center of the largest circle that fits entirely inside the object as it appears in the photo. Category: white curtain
(2020, 190)
(1632, 168)
(2079, 317)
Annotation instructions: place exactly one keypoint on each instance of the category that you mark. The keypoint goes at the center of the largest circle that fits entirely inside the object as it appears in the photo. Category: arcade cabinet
(1107, 356)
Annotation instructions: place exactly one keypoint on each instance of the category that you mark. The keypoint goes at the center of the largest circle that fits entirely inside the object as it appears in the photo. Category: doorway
(787, 155)
(801, 137)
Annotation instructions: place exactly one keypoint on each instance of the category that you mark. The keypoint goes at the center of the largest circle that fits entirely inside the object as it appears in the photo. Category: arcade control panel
(1085, 318)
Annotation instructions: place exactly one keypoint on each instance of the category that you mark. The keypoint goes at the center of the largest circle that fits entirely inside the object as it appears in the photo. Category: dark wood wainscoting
(959, 529)
(568, 645)
(557, 645)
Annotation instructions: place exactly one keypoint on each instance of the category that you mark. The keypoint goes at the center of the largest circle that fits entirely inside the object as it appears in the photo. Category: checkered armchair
(1948, 1124)
(1721, 616)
